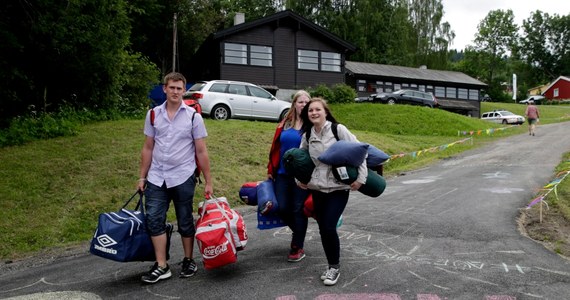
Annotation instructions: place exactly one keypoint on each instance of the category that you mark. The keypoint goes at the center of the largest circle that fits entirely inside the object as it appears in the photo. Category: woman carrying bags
(290, 198)
(329, 196)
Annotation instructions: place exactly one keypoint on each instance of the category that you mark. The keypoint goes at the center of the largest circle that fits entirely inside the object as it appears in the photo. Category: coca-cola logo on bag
(213, 251)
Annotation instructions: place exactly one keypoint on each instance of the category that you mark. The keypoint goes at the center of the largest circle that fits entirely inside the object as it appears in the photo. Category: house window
(422, 88)
(451, 92)
(555, 93)
(315, 60)
(330, 61)
(462, 94)
(308, 60)
(440, 91)
(473, 95)
(239, 54)
(397, 86)
(235, 54)
(261, 56)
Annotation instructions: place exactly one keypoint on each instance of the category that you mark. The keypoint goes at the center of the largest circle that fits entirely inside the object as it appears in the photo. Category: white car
(223, 99)
(502, 117)
(535, 99)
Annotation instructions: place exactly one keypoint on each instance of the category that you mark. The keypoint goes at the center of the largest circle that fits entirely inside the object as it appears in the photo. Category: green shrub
(340, 93)
(343, 93)
(322, 91)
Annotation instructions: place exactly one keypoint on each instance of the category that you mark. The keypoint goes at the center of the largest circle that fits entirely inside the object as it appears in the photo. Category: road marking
(502, 190)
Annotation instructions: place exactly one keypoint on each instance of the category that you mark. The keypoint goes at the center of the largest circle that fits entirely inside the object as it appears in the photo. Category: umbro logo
(106, 241)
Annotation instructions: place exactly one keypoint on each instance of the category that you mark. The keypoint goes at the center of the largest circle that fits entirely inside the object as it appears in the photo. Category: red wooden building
(559, 89)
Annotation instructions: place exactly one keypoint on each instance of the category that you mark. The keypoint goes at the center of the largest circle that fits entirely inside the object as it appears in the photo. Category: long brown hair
(291, 116)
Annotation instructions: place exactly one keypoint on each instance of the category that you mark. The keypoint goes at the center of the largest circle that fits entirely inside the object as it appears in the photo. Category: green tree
(65, 54)
(497, 34)
(544, 46)
(431, 37)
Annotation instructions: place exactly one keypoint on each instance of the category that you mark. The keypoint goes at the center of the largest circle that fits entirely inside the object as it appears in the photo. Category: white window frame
(330, 61)
(235, 53)
(318, 60)
(261, 55)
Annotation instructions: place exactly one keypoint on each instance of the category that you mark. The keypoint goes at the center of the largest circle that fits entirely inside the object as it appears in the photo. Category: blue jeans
(290, 200)
(157, 202)
(328, 208)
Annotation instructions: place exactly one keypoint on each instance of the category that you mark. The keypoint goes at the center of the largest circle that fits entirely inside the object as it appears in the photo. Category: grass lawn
(53, 190)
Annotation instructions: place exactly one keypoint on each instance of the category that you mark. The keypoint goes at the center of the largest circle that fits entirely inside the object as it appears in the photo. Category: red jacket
(274, 153)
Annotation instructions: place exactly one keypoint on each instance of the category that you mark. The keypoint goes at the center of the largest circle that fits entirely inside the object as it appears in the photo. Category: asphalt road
(448, 231)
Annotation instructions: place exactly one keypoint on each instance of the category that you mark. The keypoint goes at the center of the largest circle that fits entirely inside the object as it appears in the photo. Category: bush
(343, 93)
(340, 93)
(322, 91)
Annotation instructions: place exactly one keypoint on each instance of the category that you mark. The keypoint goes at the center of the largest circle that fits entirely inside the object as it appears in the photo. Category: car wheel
(220, 112)
(283, 114)
(391, 101)
(504, 121)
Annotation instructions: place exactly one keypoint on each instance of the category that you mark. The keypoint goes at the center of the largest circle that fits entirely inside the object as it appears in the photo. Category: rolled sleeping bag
(248, 193)
(298, 163)
(374, 186)
(266, 200)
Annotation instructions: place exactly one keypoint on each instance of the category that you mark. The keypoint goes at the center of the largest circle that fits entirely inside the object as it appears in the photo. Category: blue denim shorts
(157, 202)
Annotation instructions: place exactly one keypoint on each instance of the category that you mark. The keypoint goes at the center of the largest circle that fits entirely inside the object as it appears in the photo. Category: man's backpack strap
(152, 117)
(334, 128)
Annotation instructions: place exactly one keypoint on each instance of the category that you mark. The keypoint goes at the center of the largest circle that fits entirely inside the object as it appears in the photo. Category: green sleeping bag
(375, 184)
(298, 163)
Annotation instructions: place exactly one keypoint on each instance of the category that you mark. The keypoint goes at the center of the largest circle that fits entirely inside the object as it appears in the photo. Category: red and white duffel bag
(220, 232)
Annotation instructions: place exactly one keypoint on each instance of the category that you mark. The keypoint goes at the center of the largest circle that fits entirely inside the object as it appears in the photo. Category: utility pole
(174, 44)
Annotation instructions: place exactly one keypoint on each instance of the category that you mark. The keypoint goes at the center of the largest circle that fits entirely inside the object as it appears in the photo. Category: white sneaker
(332, 276)
(324, 275)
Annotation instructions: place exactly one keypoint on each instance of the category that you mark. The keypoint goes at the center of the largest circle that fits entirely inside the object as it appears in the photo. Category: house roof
(361, 68)
(286, 14)
(555, 81)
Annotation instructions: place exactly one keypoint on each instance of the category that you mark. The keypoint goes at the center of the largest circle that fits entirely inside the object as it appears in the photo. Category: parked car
(223, 99)
(362, 99)
(535, 99)
(406, 97)
(502, 117)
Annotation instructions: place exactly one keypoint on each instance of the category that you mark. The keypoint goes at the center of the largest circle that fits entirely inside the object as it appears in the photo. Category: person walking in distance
(532, 116)
(290, 198)
(173, 148)
(329, 195)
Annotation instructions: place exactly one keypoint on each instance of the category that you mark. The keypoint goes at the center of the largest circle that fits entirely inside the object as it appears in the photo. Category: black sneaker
(189, 268)
(156, 273)
(332, 276)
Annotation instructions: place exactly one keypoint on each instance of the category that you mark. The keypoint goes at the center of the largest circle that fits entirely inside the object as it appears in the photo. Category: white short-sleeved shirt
(174, 153)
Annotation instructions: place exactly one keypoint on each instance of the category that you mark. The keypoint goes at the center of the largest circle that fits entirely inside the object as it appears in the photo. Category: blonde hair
(291, 116)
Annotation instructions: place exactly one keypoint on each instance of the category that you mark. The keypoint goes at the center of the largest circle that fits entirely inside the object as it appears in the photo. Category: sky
(465, 15)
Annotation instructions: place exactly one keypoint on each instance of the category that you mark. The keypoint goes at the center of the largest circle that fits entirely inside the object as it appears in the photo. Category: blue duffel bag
(122, 236)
